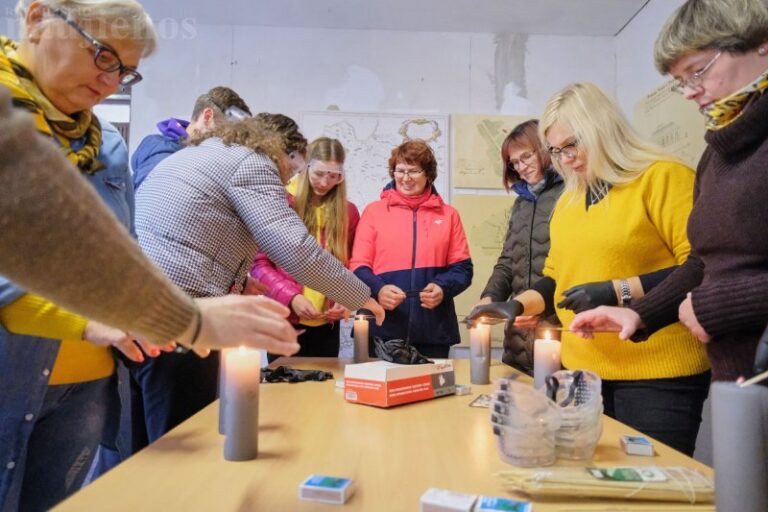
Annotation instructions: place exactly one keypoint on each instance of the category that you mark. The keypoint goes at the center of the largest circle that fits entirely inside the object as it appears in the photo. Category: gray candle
(480, 354)
(222, 398)
(361, 339)
(241, 413)
(739, 447)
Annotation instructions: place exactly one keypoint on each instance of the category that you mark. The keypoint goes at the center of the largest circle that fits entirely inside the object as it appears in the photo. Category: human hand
(106, 336)
(376, 310)
(337, 312)
(234, 320)
(495, 310)
(254, 287)
(688, 318)
(588, 296)
(390, 296)
(527, 322)
(304, 308)
(605, 318)
(431, 296)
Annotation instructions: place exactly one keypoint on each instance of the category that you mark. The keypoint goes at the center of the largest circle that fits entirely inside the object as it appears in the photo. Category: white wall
(636, 74)
(294, 70)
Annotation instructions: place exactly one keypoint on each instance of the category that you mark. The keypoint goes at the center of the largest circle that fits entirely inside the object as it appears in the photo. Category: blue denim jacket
(26, 361)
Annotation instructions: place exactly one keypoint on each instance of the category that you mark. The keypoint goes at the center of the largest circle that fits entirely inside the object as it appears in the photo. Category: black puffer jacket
(522, 259)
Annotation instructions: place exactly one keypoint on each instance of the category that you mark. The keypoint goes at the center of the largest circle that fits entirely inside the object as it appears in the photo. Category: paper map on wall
(671, 121)
(369, 139)
(477, 149)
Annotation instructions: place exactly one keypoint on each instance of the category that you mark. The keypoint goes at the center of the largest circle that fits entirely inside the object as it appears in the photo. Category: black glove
(496, 310)
(293, 375)
(588, 296)
(398, 351)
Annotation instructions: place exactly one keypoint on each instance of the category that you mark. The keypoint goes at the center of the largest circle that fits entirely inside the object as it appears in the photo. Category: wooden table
(393, 455)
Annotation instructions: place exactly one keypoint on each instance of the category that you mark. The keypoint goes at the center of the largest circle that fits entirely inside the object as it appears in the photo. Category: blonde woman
(718, 54)
(319, 196)
(623, 213)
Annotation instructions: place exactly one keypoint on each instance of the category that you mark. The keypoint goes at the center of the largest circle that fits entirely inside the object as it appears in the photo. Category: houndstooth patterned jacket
(202, 214)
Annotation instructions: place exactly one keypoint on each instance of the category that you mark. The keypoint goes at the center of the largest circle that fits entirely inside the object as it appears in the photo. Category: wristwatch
(626, 292)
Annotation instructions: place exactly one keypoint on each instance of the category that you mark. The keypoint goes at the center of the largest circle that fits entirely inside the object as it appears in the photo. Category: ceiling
(552, 17)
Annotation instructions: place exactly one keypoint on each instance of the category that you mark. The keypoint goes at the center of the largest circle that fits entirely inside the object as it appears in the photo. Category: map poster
(369, 139)
(486, 229)
(674, 123)
(477, 149)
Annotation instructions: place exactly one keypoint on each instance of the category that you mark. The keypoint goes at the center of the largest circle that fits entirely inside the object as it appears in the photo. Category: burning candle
(546, 359)
(480, 353)
(361, 339)
(241, 395)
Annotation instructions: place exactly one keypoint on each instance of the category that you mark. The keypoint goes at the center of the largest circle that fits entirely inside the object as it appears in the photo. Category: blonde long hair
(616, 154)
(336, 227)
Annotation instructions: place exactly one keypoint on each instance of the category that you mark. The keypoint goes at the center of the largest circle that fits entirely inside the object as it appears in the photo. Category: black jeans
(668, 410)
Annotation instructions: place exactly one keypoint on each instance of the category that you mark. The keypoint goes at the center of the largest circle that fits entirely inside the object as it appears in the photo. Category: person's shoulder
(375, 207)
(668, 173)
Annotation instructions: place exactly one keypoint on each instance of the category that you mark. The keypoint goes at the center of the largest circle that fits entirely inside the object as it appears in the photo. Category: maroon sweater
(727, 271)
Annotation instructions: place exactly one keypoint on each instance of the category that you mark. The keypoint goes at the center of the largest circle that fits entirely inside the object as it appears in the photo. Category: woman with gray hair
(717, 53)
(57, 380)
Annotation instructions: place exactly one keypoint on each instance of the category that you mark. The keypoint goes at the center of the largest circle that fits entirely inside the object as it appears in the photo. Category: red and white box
(386, 384)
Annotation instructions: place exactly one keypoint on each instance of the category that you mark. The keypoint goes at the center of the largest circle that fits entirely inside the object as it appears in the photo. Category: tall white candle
(480, 353)
(241, 392)
(546, 359)
(361, 339)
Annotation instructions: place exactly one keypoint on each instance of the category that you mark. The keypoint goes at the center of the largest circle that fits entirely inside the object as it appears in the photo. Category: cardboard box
(326, 489)
(441, 500)
(386, 384)
(637, 445)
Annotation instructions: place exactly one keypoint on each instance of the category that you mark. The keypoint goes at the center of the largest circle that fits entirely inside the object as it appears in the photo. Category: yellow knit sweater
(637, 228)
(77, 360)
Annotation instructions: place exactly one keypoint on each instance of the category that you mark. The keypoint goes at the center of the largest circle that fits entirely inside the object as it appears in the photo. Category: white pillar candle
(241, 392)
(361, 339)
(546, 359)
(480, 353)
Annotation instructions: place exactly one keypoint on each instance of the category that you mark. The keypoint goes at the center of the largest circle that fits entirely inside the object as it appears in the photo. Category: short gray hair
(124, 19)
(732, 25)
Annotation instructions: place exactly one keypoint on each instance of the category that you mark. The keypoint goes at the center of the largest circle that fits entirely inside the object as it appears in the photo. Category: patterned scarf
(49, 120)
(726, 110)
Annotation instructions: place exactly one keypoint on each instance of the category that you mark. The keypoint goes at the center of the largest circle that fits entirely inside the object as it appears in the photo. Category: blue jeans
(172, 387)
(666, 409)
(62, 445)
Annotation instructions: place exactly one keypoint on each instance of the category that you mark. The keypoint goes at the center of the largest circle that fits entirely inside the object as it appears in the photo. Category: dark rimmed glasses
(570, 150)
(104, 58)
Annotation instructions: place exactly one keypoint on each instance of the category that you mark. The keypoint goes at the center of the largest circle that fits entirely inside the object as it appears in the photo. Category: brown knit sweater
(727, 271)
(58, 239)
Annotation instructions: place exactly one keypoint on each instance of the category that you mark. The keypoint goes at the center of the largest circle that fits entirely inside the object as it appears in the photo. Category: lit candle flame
(547, 335)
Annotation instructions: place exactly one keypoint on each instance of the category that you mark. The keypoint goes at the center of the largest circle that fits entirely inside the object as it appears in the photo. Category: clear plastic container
(526, 447)
(580, 404)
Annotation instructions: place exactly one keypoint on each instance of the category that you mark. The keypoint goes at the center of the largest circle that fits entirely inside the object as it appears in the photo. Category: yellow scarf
(49, 120)
(726, 110)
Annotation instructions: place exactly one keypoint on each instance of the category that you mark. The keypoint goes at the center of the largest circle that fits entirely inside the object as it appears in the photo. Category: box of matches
(636, 445)
(326, 489)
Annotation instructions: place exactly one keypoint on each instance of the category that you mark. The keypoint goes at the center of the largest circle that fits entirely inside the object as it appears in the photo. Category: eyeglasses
(525, 158)
(105, 58)
(333, 176)
(570, 150)
(695, 80)
(412, 173)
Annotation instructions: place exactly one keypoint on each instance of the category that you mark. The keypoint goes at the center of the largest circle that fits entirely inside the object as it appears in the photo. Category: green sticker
(636, 474)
